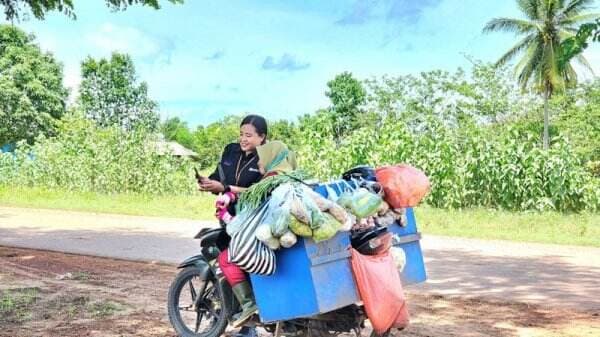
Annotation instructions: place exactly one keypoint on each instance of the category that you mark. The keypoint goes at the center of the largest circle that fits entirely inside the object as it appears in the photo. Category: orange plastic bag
(404, 185)
(381, 290)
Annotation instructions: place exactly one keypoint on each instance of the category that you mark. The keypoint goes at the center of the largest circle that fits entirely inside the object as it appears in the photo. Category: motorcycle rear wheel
(196, 307)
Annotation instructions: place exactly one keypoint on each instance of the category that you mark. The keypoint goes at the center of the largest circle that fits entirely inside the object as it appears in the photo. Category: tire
(208, 304)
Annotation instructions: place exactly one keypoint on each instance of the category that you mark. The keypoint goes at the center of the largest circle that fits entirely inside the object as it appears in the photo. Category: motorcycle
(201, 302)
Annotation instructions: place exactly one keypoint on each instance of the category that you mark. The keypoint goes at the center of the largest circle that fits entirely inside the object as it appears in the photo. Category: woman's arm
(212, 183)
(237, 189)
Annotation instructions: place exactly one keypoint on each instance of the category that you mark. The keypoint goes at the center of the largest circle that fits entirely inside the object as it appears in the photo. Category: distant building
(165, 147)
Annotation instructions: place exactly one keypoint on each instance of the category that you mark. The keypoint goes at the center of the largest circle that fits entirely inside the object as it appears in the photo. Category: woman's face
(249, 138)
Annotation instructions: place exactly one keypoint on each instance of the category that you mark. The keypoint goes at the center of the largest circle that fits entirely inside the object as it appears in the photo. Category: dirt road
(50, 294)
(548, 275)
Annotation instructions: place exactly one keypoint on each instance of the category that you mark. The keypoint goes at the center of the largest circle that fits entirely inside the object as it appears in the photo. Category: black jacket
(233, 161)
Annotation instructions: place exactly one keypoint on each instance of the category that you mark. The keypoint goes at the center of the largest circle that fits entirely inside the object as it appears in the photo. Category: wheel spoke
(198, 320)
(192, 290)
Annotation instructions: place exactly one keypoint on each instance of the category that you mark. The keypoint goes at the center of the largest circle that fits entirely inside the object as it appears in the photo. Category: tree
(347, 96)
(546, 24)
(110, 94)
(32, 96)
(177, 130)
(39, 8)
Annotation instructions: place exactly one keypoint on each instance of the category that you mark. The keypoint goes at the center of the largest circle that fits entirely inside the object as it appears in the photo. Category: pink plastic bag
(381, 290)
(404, 185)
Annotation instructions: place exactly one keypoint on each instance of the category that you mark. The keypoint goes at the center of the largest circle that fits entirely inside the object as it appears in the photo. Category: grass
(200, 206)
(547, 227)
(104, 309)
(16, 305)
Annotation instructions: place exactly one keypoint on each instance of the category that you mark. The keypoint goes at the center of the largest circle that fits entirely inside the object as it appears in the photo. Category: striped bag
(247, 252)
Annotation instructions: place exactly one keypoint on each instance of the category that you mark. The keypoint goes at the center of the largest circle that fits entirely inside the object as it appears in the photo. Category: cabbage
(327, 230)
(273, 243)
(300, 228)
(288, 239)
(365, 203)
(399, 257)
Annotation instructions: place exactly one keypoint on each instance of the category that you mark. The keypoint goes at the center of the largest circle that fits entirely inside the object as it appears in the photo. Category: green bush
(475, 168)
(85, 157)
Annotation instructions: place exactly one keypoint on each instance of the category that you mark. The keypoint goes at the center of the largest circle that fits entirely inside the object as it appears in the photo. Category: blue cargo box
(314, 278)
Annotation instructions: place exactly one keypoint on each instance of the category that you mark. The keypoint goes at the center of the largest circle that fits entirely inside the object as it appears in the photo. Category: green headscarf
(276, 157)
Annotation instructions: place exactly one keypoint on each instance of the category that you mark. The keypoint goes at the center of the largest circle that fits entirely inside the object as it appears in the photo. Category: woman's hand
(213, 186)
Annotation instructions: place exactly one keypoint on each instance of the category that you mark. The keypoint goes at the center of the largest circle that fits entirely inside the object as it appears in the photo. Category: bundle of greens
(259, 192)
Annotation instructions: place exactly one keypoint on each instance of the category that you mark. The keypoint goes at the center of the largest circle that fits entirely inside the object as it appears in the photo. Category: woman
(237, 170)
(274, 158)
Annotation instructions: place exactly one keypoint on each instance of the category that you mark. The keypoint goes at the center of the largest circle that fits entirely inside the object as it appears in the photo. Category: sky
(206, 59)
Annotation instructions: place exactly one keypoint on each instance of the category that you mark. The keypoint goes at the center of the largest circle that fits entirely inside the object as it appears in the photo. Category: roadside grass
(546, 227)
(199, 206)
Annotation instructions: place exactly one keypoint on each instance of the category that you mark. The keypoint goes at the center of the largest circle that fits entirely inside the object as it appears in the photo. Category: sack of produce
(280, 220)
(404, 185)
(249, 253)
(263, 233)
(339, 213)
(327, 230)
(298, 210)
(364, 203)
(300, 228)
(322, 203)
(380, 289)
(345, 199)
(278, 215)
(288, 239)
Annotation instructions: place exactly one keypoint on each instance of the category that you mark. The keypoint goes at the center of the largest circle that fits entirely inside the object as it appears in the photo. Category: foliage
(32, 96)
(13, 8)
(547, 24)
(212, 139)
(110, 95)
(347, 95)
(487, 167)
(487, 94)
(85, 157)
(177, 130)
(579, 119)
(575, 45)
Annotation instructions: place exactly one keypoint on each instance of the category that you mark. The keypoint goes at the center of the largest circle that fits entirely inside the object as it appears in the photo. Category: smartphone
(199, 177)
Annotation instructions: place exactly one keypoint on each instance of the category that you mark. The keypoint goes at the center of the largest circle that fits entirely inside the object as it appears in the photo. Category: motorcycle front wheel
(196, 307)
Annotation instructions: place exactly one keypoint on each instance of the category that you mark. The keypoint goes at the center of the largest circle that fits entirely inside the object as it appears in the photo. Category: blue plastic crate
(408, 238)
(313, 278)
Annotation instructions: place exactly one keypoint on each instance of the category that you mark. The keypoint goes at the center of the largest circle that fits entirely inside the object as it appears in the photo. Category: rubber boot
(243, 293)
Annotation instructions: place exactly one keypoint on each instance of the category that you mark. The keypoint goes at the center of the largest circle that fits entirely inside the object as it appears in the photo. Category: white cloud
(110, 37)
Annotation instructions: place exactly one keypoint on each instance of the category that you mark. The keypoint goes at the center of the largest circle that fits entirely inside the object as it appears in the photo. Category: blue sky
(205, 59)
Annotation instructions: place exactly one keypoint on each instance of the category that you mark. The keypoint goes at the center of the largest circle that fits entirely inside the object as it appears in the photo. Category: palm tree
(546, 24)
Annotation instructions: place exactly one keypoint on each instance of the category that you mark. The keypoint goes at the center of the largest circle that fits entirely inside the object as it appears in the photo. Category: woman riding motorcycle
(274, 158)
(237, 170)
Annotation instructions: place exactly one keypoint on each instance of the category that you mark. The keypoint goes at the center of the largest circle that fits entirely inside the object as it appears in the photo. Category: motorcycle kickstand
(277, 329)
